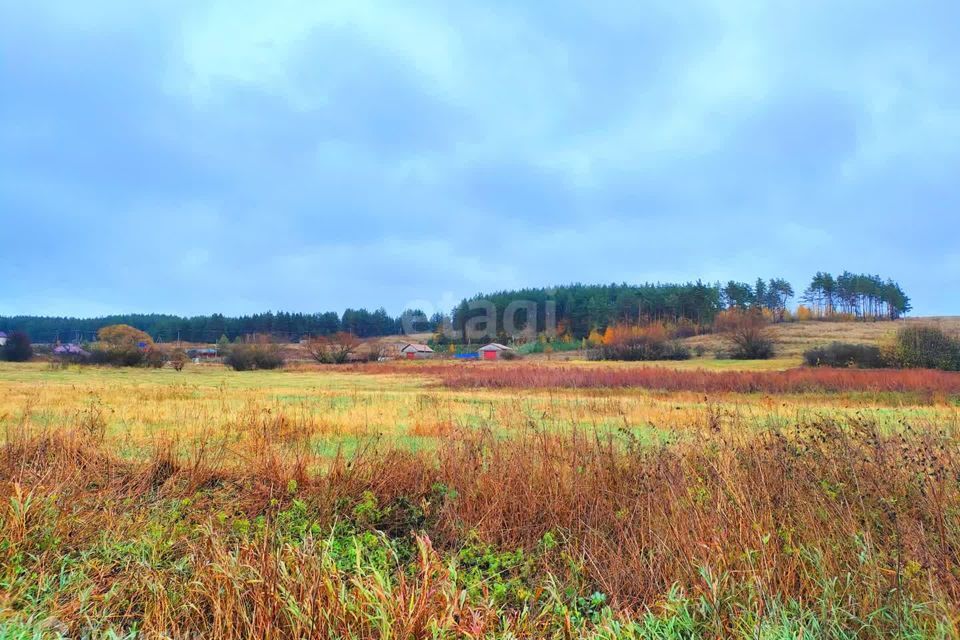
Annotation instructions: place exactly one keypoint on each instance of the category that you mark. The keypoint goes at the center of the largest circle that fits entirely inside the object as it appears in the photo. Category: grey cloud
(360, 161)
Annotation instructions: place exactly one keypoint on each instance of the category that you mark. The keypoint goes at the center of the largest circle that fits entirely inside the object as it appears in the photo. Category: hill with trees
(579, 309)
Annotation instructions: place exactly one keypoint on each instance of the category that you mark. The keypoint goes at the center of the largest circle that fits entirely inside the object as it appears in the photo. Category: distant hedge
(924, 347)
(913, 347)
(845, 354)
(246, 357)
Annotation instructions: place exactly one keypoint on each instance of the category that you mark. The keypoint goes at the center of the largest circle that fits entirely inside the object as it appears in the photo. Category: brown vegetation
(333, 349)
(653, 341)
(748, 332)
(544, 376)
(260, 353)
(850, 524)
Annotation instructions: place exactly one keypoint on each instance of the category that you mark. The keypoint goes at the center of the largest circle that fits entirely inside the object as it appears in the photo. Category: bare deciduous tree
(748, 331)
(333, 349)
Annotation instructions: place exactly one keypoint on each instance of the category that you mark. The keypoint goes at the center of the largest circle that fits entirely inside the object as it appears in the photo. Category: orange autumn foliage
(620, 335)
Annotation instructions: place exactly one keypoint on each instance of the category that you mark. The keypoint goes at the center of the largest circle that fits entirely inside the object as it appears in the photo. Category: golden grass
(331, 409)
(793, 338)
(211, 503)
(817, 530)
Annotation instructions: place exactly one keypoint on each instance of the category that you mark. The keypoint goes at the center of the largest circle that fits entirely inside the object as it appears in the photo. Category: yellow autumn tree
(123, 337)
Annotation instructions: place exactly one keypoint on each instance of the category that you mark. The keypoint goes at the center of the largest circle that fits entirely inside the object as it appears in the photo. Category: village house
(413, 351)
(70, 350)
(493, 351)
(3, 338)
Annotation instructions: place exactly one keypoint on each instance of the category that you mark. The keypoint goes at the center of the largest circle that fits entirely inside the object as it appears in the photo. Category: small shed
(3, 338)
(492, 351)
(413, 351)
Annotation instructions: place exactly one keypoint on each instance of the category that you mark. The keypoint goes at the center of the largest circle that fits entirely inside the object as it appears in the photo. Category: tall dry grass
(538, 376)
(852, 530)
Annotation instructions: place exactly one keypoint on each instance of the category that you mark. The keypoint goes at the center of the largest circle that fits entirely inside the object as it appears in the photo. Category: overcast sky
(197, 157)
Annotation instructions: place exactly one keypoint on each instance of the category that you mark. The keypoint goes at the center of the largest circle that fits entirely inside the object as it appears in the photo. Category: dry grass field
(483, 500)
(407, 405)
(793, 338)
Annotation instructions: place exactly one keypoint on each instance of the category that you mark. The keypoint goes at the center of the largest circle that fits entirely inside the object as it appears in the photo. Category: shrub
(116, 356)
(650, 342)
(123, 336)
(238, 358)
(154, 358)
(178, 359)
(845, 354)
(923, 347)
(685, 328)
(595, 339)
(268, 358)
(121, 345)
(246, 357)
(748, 333)
(333, 349)
(648, 352)
(18, 347)
(377, 352)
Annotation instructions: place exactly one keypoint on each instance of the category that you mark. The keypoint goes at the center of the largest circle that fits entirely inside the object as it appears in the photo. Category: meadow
(532, 499)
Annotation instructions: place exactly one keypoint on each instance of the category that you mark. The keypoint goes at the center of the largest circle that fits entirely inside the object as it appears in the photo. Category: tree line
(856, 294)
(580, 309)
(577, 310)
(169, 328)
(773, 294)
(574, 310)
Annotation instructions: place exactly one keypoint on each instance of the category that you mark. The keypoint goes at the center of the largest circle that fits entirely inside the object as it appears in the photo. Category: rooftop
(494, 346)
(412, 346)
